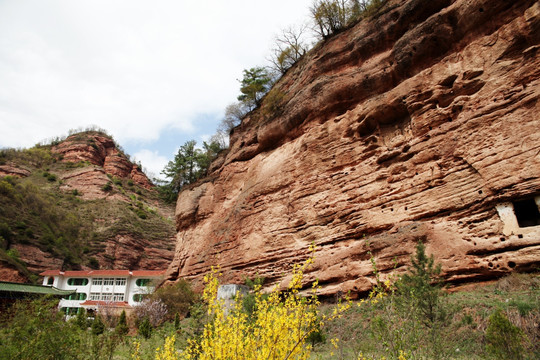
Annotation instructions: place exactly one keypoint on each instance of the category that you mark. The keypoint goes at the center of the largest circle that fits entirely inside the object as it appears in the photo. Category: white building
(120, 289)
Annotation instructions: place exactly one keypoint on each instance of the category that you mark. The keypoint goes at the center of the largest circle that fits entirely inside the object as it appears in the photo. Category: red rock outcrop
(418, 123)
(100, 150)
(127, 252)
(9, 273)
(13, 170)
(89, 181)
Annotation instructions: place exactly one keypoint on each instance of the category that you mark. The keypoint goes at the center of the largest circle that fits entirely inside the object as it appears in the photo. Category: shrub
(117, 181)
(36, 330)
(6, 188)
(5, 232)
(93, 263)
(503, 339)
(107, 187)
(81, 320)
(140, 213)
(122, 328)
(98, 327)
(278, 328)
(153, 310)
(178, 297)
(145, 328)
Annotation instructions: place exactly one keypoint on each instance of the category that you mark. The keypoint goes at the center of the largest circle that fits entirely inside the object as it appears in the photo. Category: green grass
(462, 335)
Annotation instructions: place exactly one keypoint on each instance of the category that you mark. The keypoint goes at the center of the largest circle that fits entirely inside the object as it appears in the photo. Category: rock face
(13, 170)
(418, 123)
(101, 151)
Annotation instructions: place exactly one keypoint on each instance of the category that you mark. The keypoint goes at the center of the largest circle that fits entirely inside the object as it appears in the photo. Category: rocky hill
(79, 204)
(419, 123)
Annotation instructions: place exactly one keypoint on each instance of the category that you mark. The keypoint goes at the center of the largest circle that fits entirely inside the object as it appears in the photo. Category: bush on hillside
(178, 298)
(503, 339)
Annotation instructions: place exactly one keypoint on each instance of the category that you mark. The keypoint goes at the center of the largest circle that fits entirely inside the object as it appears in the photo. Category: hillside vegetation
(39, 217)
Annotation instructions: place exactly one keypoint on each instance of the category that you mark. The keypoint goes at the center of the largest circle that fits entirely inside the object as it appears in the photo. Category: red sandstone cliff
(418, 123)
(102, 151)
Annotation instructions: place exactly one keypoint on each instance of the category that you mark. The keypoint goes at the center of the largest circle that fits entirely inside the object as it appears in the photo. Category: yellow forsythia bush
(277, 329)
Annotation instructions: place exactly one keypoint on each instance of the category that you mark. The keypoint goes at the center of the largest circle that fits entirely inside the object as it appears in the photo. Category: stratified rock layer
(415, 124)
(13, 170)
(101, 151)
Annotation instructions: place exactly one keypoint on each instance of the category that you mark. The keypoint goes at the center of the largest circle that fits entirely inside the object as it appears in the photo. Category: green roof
(32, 289)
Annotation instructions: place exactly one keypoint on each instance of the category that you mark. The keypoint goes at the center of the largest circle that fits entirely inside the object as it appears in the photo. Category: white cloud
(132, 67)
(152, 162)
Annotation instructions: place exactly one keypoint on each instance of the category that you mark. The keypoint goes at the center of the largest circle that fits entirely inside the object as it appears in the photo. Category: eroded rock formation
(13, 170)
(101, 151)
(415, 124)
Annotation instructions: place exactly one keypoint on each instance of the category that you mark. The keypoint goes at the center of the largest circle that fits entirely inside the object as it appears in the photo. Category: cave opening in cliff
(527, 213)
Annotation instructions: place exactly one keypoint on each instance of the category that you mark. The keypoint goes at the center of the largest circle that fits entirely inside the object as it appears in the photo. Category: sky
(154, 74)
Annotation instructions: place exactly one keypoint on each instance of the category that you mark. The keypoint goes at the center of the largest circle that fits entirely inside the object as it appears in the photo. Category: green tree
(98, 327)
(178, 297)
(421, 284)
(189, 164)
(122, 327)
(419, 298)
(503, 339)
(255, 83)
(81, 320)
(183, 169)
(330, 16)
(145, 328)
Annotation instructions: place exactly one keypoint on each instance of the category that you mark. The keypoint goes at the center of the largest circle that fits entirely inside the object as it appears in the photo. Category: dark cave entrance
(527, 213)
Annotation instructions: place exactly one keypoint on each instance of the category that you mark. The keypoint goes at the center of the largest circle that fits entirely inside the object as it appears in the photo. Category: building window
(77, 296)
(118, 297)
(50, 281)
(106, 296)
(108, 282)
(94, 296)
(77, 282)
(527, 213)
(97, 281)
(70, 310)
(142, 282)
(120, 282)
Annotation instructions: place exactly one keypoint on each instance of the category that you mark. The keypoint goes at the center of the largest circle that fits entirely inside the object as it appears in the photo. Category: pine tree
(81, 319)
(121, 327)
(177, 321)
(97, 326)
(145, 328)
(254, 85)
